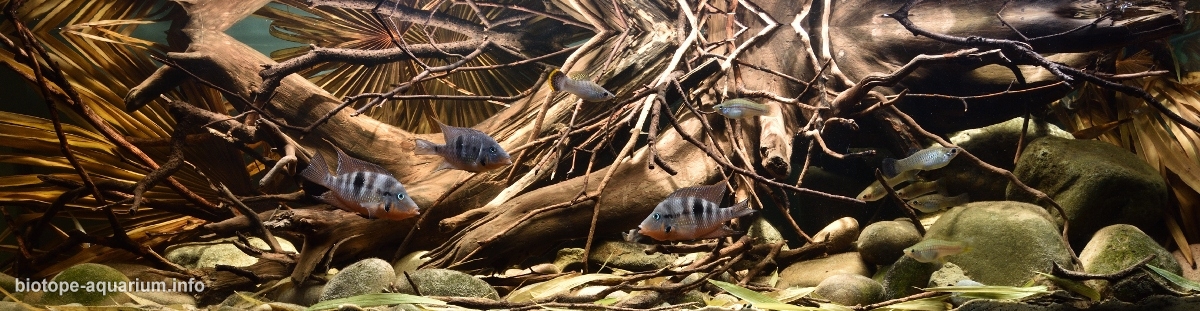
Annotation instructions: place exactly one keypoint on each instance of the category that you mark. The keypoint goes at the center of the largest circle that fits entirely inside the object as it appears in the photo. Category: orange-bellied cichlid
(361, 187)
(693, 213)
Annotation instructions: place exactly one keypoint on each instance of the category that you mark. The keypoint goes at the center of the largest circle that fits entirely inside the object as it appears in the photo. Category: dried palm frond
(355, 29)
(92, 42)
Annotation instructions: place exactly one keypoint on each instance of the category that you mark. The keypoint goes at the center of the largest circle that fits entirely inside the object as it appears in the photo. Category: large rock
(367, 276)
(840, 234)
(1117, 247)
(83, 274)
(906, 277)
(850, 289)
(1008, 240)
(441, 282)
(627, 256)
(995, 144)
(199, 255)
(809, 273)
(1096, 183)
(883, 242)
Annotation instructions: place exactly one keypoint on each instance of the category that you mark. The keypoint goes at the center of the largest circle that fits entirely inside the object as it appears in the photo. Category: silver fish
(917, 189)
(740, 108)
(927, 159)
(361, 187)
(465, 149)
(932, 250)
(876, 191)
(587, 90)
(693, 213)
(935, 202)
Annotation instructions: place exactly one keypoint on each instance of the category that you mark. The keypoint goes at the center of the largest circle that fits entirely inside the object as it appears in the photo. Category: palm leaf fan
(355, 29)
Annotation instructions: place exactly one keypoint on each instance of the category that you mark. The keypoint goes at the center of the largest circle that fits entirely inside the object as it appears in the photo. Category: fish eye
(656, 216)
(492, 149)
(400, 196)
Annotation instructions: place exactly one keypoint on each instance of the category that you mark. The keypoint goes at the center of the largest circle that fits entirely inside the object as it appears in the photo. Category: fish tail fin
(555, 79)
(317, 171)
(889, 168)
(425, 147)
(742, 209)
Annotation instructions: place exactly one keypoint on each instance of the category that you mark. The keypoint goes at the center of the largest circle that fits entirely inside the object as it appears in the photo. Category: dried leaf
(1174, 278)
(372, 300)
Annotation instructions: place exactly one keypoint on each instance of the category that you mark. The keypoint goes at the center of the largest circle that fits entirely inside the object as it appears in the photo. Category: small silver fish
(931, 250)
(917, 189)
(876, 191)
(927, 159)
(587, 90)
(935, 202)
(693, 213)
(740, 108)
(465, 149)
(361, 187)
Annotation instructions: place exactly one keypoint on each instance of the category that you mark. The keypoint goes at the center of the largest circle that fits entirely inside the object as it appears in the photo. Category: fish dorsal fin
(578, 76)
(451, 132)
(348, 164)
(712, 193)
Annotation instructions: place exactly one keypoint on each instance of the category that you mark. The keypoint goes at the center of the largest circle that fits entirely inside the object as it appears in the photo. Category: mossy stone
(83, 274)
(442, 282)
(850, 289)
(1097, 184)
(1008, 241)
(883, 242)
(1117, 247)
(366, 276)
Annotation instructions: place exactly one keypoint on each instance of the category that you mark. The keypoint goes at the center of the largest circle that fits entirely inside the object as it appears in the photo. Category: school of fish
(693, 213)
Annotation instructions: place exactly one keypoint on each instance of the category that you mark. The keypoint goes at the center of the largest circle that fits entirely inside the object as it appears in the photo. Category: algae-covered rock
(8, 282)
(948, 275)
(995, 144)
(1096, 183)
(305, 295)
(367, 276)
(764, 233)
(199, 255)
(569, 259)
(883, 242)
(442, 282)
(906, 277)
(1008, 241)
(811, 272)
(840, 234)
(106, 286)
(627, 256)
(1118, 247)
(850, 289)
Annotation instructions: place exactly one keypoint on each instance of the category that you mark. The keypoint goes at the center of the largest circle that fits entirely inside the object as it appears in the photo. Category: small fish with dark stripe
(693, 213)
(740, 108)
(587, 90)
(361, 187)
(466, 149)
(924, 160)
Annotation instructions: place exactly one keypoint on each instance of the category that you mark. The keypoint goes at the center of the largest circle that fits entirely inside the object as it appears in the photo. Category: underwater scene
(599, 155)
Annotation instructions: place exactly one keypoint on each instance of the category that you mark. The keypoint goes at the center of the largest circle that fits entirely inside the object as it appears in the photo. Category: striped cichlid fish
(693, 213)
(924, 160)
(917, 189)
(740, 108)
(931, 250)
(361, 187)
(876, 191)
(466, 149)
(935, 202)
(587, 90)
